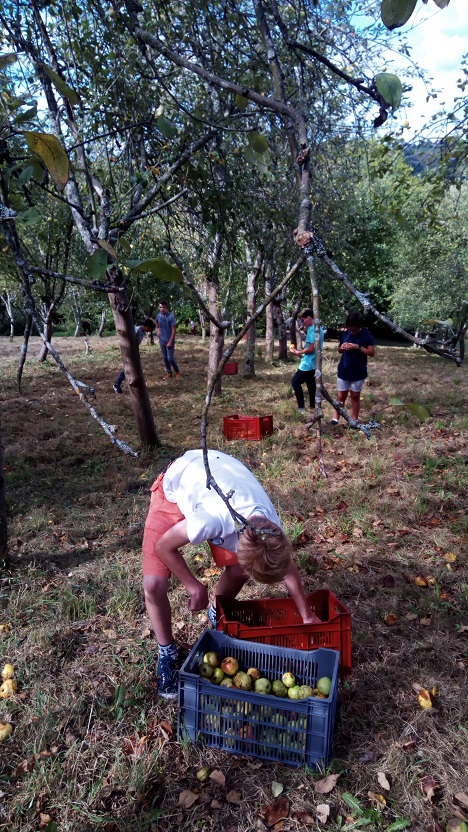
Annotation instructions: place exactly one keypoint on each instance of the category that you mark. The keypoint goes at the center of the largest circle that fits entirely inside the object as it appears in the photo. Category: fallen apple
(456, 825)
(8, 688)
(8, 671)
(5, 730)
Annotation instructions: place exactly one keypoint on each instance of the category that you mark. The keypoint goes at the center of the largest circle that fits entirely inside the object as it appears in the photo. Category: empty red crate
(277, 621)
(230, 368)
(247, 427)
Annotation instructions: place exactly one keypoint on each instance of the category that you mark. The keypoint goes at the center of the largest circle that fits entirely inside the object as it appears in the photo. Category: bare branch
(94, 285)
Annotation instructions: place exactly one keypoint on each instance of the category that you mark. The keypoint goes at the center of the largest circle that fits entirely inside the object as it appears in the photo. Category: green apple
(324, 685)
(211, 658)
(288, 679)
(279, 688)
(294, 692)
(243, 681)
(262, 686)
(306, 691)
(206, 671)
(217, 676)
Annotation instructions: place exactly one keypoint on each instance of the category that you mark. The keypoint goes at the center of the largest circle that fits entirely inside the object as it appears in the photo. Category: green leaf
(250, 156)
(159, 267)
(97, 264)
(258, 142)
(395, 13)
(119, 695)
(25, 175)
(241, 102)
(166, 127)
(7, 60)
(395, 401)
(419, 411)
(28, 115)
(398, 824)
(29, 217)
(61, 85)
(124, 245)
(107, 247)
(49, 149)
(441, 4)
(390, 88)
(352, 801)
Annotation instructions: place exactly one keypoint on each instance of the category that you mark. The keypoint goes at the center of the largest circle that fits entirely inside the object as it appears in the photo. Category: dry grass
(92, 747)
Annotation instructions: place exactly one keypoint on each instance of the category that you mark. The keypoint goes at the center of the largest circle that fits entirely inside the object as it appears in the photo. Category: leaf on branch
(49, 149)
(28, 115)
(61, 85)
(389, 86)
(241, 102)
(28, 217)
(7, 60)
(442, 4)
(107, 247)
(97, 265)
(419, 411)
(257, 142)
(166, 127)
(395, 13)
(159, 267)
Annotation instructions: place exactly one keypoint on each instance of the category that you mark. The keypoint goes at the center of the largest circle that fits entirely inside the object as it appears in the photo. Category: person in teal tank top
(306, 372)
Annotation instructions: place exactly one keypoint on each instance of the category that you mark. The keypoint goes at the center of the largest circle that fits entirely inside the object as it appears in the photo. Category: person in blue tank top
(306, 371)
(356, 345)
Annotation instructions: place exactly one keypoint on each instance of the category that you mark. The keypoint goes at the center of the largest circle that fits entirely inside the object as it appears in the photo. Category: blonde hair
(266, 558)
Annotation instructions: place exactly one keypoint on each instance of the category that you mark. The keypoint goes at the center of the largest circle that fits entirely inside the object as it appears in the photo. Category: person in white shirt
(183, 510)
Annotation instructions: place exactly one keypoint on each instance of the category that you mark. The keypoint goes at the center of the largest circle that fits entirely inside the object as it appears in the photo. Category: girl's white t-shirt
(208, 518)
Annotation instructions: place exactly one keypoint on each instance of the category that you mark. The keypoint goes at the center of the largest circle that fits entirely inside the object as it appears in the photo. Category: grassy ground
(92, 747)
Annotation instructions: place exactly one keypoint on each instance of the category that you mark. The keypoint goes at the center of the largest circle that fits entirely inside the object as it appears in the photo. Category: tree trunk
(216, 336)
(3, 513)
(102, 324)
(269, 317)
(48, 334)
(214, 305)
(252, 281)
(139, 397)
(282, 334)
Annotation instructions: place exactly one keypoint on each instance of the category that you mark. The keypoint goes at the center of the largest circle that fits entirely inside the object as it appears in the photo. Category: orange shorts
(162, 516)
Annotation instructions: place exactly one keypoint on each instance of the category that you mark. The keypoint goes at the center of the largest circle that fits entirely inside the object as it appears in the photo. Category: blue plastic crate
(243, 722)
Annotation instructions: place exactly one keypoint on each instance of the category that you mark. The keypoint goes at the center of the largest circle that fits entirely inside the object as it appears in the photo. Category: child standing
(356, 345)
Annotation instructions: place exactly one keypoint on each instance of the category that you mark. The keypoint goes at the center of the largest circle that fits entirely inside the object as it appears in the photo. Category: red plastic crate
(230, 368)
(247, 427)
(277, 621)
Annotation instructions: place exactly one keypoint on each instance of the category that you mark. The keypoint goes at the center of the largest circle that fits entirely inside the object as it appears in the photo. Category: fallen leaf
(234, 797)
(327, 784)
(110, 634)
(462, 799)
(425, 621)
(411, 616)
(379, 798)
(323, 812)
(302, 817)
(277, 788)
(383, 781)
(166, 730)
(463, 628)
(424, 699)
(429, 787)
(218, 777)
(215, 804)
(187, 799)
(279, 810)
(450, 557)
(24, 767)
(391, 619)
(368, 757)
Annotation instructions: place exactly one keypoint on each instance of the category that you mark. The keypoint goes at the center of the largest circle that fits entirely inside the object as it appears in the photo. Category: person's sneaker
(116, 389)
(168, 676)
(211, 613)
(333, 421)
(166, 376)
(177, 375)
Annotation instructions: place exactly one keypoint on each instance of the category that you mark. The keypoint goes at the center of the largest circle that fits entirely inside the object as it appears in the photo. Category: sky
(438, 40)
